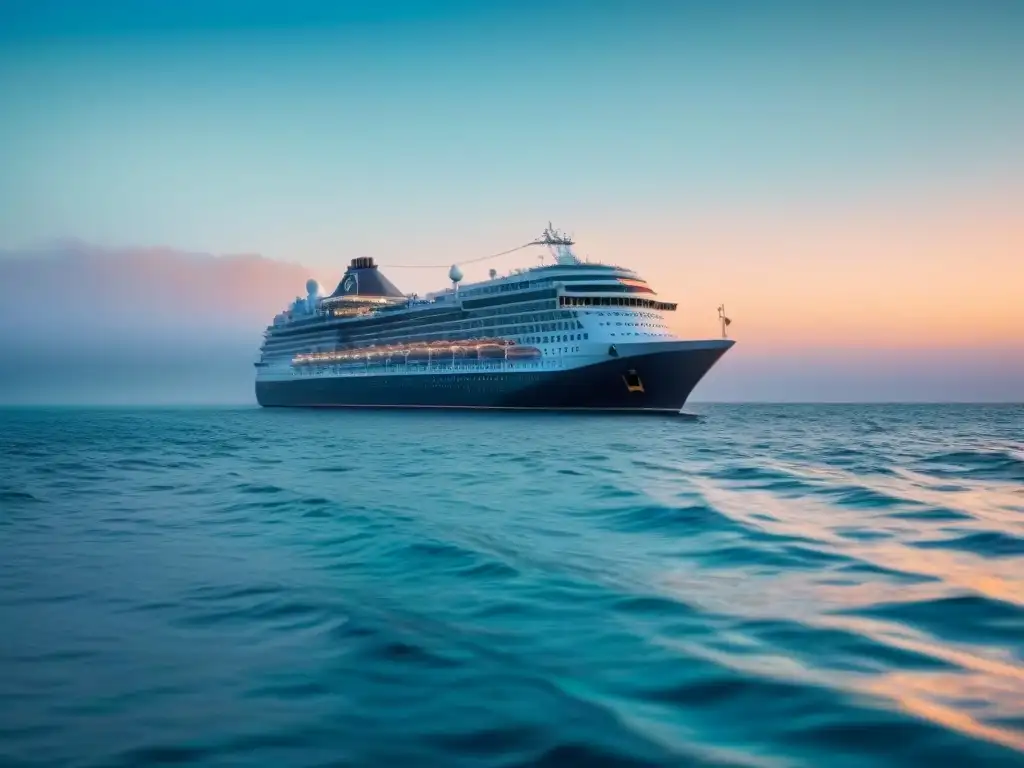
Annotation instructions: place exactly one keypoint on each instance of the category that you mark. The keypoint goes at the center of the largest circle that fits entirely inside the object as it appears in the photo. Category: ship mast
(725, 321)
(559, 245)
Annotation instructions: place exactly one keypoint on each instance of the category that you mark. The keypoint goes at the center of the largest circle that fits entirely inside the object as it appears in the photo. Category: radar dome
(313, 287)
(455, 274)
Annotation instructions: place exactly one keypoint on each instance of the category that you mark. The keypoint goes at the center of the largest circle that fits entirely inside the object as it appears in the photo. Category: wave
(762, 586)
(985, 464)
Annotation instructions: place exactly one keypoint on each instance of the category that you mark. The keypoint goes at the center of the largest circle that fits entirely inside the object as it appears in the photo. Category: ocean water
(753, 586)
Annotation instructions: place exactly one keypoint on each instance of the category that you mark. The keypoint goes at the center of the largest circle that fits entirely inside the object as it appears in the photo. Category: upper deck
(364, 296)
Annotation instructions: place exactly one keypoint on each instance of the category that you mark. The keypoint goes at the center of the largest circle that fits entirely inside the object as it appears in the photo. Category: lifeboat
(419, 355)
(491, 351)
(523, 353)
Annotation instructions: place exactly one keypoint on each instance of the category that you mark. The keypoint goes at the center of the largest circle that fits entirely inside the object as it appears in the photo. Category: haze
(847, 180)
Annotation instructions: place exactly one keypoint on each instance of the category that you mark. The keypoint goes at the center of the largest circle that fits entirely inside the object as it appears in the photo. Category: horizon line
(254, 405)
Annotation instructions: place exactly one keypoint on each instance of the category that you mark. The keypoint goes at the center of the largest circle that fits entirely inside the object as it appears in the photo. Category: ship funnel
(363, 279)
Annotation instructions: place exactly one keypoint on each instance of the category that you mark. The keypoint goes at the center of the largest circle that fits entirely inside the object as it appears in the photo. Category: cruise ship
(566, 334)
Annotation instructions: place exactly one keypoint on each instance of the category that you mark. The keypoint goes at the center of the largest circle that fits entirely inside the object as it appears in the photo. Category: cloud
(87, 324)
(107, 296)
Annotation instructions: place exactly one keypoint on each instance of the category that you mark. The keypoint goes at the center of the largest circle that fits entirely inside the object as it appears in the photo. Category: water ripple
(759, 586)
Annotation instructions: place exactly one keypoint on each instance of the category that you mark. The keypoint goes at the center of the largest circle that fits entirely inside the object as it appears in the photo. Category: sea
(743, 585)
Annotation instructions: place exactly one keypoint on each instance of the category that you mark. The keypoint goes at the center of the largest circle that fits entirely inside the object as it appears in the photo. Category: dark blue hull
(653, 381)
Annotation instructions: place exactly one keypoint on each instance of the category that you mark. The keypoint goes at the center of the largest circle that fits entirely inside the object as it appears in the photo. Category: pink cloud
(75, 290)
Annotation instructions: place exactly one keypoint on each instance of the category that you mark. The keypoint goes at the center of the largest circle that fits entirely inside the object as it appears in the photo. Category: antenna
(559, 245)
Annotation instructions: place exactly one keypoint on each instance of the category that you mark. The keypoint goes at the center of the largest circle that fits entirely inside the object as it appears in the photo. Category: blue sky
(297, 127)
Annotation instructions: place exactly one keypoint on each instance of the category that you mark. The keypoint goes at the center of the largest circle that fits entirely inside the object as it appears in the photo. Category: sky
(847, 178)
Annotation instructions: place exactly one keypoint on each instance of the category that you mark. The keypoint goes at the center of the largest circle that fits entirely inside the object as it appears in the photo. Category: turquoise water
(756, 586)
